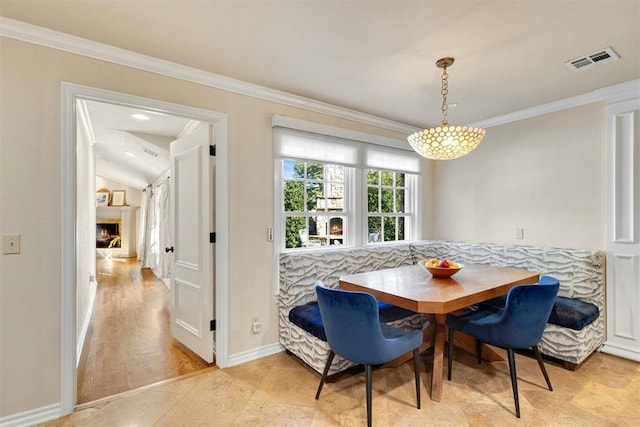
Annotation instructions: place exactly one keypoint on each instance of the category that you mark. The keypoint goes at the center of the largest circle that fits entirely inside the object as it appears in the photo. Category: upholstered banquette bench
(301, 331)
(576, 327)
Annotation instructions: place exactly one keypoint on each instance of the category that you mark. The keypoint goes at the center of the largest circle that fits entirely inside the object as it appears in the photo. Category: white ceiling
(376, 57)
(132, 151)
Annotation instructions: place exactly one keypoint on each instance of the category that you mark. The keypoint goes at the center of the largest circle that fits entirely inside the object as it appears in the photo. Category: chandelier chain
(444, 92)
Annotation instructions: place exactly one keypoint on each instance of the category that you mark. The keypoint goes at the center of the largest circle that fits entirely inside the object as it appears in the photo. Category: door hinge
(212, 237)
(212, 150)
(212, 325)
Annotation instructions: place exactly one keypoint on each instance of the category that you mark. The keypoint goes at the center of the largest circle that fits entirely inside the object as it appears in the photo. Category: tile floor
(279, 391)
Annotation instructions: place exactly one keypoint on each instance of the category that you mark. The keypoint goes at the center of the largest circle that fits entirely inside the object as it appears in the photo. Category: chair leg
(479, 351)
(514, 379)
(324, 374)
(368, 369)
(450, 359)
(542, 368)
(416, 370)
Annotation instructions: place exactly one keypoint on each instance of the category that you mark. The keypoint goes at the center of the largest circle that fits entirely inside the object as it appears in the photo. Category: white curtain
(143, 232)
(156, 229)
(164, 237)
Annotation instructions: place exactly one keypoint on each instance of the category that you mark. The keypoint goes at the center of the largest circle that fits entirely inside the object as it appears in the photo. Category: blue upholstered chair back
(352, 325)
(525, 315)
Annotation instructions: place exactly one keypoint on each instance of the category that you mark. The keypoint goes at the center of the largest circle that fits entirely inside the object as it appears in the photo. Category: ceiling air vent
(589, 61)
(151, 153)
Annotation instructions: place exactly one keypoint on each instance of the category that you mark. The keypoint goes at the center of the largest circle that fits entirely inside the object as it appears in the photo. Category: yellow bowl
(439, 272)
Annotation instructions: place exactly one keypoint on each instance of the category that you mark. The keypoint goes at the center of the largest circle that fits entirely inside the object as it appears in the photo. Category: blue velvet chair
(354, 331)
(519, 325)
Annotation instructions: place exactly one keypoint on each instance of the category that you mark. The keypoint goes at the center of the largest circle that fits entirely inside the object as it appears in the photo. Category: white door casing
(192, 271)
(70, 93)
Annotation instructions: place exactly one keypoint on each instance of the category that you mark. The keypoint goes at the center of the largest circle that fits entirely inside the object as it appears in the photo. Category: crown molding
(620, 92)
(609, 94)
(68, 43)
(65, 42)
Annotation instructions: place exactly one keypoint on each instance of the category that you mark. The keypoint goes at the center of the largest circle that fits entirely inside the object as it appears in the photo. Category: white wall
(546, 174)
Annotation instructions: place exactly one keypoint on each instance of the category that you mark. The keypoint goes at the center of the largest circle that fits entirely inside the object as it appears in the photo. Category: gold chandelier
(445, 142)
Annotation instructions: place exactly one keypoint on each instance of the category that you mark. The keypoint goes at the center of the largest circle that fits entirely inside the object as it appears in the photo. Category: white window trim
(412, 203)
(356, 199)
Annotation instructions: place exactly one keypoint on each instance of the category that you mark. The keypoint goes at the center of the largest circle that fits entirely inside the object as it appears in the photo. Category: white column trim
(623, 227)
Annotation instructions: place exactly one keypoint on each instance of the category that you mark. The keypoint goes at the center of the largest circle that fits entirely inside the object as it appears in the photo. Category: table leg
(438, 358)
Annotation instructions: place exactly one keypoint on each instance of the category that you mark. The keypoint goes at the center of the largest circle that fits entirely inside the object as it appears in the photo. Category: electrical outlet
(257, 326)
(11, 244)
(270, 234)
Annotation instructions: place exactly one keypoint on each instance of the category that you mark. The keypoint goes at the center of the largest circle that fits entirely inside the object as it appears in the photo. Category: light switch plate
(11, 244)
(519, 233)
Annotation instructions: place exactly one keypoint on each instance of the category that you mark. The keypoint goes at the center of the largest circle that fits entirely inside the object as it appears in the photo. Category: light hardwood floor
(129, 344)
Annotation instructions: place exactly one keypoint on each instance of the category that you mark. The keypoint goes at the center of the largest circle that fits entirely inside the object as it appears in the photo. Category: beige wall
(30, 178)
(546, 175)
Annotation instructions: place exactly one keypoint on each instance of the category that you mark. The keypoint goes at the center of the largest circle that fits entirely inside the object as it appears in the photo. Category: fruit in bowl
(440, 268)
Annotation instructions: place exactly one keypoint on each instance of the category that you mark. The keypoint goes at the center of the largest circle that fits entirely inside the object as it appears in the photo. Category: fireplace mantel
(113, 211)
(128, 240)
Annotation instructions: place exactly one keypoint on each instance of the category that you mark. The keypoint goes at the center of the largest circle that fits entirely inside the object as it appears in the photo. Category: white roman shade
(303, 140)
(293, 144)
(379, 157)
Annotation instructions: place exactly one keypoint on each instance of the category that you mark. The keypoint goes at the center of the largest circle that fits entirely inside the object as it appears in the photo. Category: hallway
(129, 344)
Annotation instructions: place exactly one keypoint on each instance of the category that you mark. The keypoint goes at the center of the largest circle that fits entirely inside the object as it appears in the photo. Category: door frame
(70, 92)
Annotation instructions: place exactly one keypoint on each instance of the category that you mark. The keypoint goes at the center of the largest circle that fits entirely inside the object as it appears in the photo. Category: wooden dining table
(413, 287)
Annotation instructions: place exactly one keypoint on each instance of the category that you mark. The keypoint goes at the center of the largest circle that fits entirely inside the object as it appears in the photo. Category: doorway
(70, 95)
(128, 341)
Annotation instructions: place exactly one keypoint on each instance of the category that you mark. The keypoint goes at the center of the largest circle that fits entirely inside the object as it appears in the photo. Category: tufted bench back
(299, 271)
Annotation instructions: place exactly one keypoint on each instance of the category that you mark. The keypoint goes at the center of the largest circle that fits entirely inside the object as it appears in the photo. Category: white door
(192, 263)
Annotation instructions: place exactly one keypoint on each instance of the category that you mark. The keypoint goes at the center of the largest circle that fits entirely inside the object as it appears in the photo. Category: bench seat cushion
(308, 317)
(573, 313)
(567, 312)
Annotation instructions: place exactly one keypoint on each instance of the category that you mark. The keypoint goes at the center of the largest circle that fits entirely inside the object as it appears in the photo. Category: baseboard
(32, 417)
(621, 352)
(254, 354)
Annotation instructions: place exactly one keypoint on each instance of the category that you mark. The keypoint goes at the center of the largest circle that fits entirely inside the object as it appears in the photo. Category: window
(338, 187)
(386, 211)
(313, 203)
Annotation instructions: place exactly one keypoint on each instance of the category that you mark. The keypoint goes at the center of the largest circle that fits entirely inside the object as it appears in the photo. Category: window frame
(355, 202)
(411, 207)
(347, 213)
